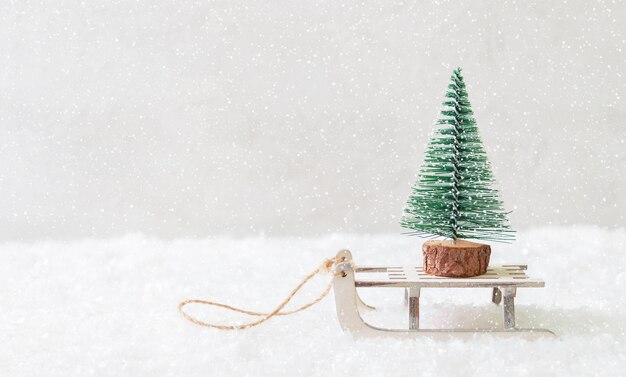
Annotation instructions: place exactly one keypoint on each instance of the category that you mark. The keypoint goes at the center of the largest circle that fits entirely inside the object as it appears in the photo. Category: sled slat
(411, 276)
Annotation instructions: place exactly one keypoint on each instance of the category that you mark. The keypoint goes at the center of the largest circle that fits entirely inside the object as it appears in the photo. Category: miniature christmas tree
(453, 197)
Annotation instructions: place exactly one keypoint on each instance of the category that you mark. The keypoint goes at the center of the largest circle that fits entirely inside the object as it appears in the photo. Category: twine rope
(325, 267)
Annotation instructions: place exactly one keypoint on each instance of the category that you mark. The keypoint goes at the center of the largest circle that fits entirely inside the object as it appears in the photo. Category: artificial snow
(109, 308)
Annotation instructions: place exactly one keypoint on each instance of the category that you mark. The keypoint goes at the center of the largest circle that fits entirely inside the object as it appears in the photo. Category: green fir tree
(453, 197)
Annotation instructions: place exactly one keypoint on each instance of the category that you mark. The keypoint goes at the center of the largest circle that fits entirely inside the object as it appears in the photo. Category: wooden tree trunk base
(460, 260)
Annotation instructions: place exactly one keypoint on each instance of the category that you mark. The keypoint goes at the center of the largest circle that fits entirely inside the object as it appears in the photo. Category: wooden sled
(504, 281)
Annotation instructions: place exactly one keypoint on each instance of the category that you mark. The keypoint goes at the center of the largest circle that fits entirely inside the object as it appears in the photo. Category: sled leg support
(509, 308)
(414, 308)
(496, 296)
(347, 303)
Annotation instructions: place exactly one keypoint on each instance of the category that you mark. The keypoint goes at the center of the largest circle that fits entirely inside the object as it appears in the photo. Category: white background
(147, 124)
(181, 118)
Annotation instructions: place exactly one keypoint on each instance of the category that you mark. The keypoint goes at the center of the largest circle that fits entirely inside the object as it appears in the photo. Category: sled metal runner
(503, 281)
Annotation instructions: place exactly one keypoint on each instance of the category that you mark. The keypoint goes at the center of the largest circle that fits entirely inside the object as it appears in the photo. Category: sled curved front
(348, 302)
(346, 256)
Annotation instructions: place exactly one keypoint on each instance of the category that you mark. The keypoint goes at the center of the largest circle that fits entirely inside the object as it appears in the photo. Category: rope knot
(328, 264)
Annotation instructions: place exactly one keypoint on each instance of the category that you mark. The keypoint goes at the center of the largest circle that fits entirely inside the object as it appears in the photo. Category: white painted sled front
(504, 281)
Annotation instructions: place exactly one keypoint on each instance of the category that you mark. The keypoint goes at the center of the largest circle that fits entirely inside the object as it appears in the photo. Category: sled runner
(503, 280)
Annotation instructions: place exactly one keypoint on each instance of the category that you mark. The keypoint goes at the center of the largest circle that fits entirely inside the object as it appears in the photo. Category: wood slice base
(460, 260)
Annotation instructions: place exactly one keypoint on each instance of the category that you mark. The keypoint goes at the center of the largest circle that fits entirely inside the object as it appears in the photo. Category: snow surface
(108, 308)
